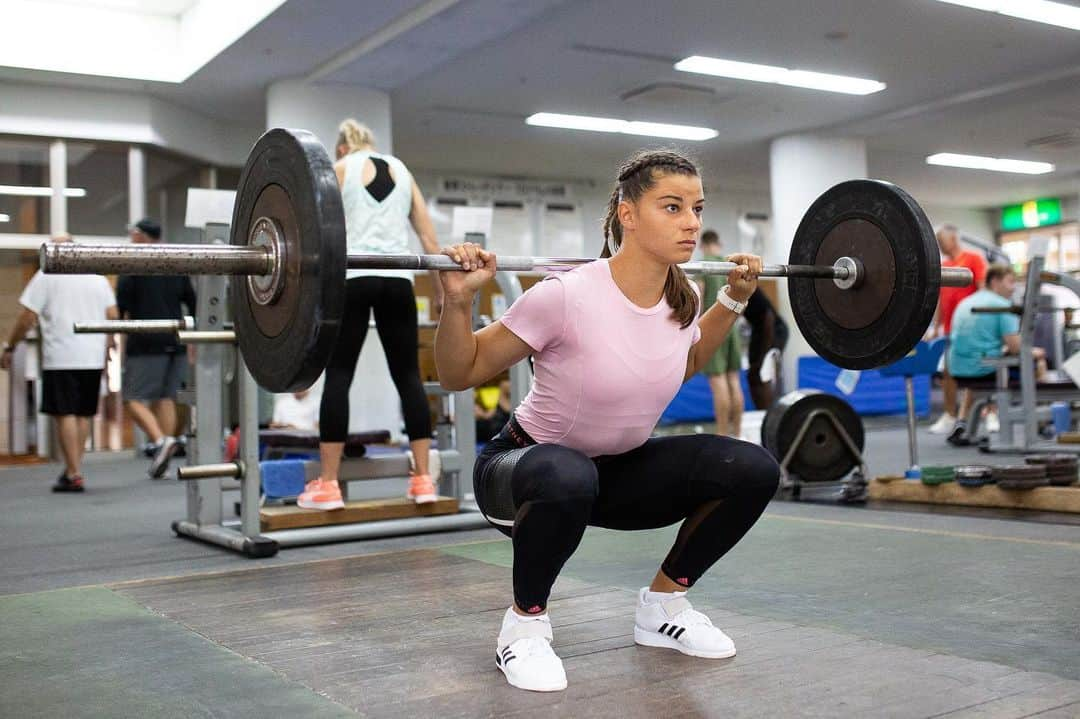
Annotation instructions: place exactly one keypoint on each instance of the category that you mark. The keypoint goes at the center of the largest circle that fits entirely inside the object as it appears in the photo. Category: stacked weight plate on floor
(974, 475)
(935, 475)
(1061, 469)
(823, 456)
(878, 320)
(1020, 476)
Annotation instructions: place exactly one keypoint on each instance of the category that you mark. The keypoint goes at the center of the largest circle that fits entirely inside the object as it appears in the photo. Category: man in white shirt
(71, 363)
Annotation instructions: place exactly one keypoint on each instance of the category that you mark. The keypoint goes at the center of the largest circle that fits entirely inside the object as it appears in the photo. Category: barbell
(863, 273)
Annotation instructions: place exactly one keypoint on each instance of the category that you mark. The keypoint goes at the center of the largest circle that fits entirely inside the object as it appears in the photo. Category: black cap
(148, 227)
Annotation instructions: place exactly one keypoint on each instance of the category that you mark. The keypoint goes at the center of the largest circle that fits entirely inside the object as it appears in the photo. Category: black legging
(394, 304)
(544, 495)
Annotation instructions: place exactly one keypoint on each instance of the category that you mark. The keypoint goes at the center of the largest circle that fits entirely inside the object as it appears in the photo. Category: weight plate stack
(1021, 476)
(933, 476)
(1061, 469)
(974, 475)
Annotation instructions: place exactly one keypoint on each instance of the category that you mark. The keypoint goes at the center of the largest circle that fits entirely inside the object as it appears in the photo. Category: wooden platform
(370, 510)
(1046, 499)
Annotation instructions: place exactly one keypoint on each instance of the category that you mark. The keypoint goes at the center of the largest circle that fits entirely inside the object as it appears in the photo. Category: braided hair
(636, 177)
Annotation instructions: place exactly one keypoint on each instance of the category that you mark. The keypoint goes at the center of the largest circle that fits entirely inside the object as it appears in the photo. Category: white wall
(321, 108)
(53, 111)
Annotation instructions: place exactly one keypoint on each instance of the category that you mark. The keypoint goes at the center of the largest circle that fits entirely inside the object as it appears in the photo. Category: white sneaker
(944, 425)
(991, 422)
(524, 654)
(674, 624)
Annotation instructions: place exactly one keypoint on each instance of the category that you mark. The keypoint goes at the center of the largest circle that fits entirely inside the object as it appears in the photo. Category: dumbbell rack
(207, 480)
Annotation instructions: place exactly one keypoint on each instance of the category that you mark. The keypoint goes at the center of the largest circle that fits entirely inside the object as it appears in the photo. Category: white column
(137, 185)
(58, 223)
(321, 108)
(373, 401)
(801, 167)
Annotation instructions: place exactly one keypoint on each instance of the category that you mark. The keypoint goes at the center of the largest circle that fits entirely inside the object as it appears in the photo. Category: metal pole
(206, 337)
(249, 451)
(135, 327)
(154, 259)
(234, 470)
(909, 390)
(67, 258)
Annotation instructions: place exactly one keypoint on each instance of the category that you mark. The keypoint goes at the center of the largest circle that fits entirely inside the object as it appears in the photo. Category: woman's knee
(552, 473)
(745, 466)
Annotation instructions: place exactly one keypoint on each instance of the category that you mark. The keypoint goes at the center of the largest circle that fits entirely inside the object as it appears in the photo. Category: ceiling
(463, 80)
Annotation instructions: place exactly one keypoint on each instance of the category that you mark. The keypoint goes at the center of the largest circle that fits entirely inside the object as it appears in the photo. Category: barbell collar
(135, 327)
(223, 470)
(154, 259)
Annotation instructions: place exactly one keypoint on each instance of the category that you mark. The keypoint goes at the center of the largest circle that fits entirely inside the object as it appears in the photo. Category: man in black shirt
(767, 332)
(154, 364)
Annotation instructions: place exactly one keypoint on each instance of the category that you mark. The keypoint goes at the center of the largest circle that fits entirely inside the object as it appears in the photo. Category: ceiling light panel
(625, 127)
(779, 75)
(992, 164)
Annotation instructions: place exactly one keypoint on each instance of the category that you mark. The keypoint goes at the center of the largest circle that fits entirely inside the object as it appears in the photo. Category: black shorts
(70, 391)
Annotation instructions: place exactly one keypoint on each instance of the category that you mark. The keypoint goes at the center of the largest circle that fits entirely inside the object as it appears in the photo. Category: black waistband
(513, 432)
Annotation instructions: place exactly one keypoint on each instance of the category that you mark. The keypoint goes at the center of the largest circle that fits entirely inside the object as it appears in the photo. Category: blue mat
(874, 394)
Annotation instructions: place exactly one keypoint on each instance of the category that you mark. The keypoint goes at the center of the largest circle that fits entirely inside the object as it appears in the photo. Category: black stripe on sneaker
(679, 633)
(662, 627)
(671, 630)
(510, 658)
(498, 659)
(505, 651)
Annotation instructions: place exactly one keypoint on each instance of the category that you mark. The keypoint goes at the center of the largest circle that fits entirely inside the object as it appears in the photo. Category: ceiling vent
(674, 94)
(1066, 140)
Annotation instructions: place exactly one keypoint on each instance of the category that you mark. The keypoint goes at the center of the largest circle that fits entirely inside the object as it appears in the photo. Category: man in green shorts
(724, 366)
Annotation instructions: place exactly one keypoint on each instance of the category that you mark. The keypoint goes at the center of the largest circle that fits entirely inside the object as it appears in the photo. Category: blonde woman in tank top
(381, 201)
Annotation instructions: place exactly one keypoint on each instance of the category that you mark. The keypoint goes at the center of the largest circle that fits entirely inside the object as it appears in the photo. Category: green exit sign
(1033, 213)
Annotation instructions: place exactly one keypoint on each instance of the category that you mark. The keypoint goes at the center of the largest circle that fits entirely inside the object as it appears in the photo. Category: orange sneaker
(421, 489)
(320, 494)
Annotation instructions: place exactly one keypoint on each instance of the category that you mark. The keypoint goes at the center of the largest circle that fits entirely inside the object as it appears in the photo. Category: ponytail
(355, 135)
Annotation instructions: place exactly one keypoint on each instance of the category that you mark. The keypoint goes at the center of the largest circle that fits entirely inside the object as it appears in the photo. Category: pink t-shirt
(604, 368)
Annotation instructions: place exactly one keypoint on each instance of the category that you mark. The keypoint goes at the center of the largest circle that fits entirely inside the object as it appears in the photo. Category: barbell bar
(68, 258)
(863, 273)
(135, 327)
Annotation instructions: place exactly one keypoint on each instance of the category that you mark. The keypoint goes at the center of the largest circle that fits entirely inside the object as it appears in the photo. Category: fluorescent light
(27, 191)
(778, 75)
(995, 164)
(1051, 13)
(5, 218)
(626, 127)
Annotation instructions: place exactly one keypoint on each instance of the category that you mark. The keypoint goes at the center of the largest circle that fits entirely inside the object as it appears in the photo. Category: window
(101, 172)
(24, 199)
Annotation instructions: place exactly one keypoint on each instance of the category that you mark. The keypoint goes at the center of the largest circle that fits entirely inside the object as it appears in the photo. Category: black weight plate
(1053, 460)
(1019, 471)
(880, 321)
(823, 456)
(290, 179)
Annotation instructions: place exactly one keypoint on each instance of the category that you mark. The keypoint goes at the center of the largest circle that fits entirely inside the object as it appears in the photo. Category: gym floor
(837, 611)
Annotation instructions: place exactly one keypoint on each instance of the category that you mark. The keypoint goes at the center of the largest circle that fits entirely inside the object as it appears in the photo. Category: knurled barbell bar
(863, 274)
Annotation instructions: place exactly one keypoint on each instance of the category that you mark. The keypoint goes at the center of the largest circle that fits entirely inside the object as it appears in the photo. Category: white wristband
(723, 298)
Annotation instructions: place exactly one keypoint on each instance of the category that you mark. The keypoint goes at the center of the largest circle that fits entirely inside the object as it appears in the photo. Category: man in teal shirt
(976, 337)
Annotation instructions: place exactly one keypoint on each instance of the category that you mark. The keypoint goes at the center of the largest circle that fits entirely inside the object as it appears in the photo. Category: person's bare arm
(465, 358)
(24, 322)
(425, 230)
(1012, 344)
(339, 170)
